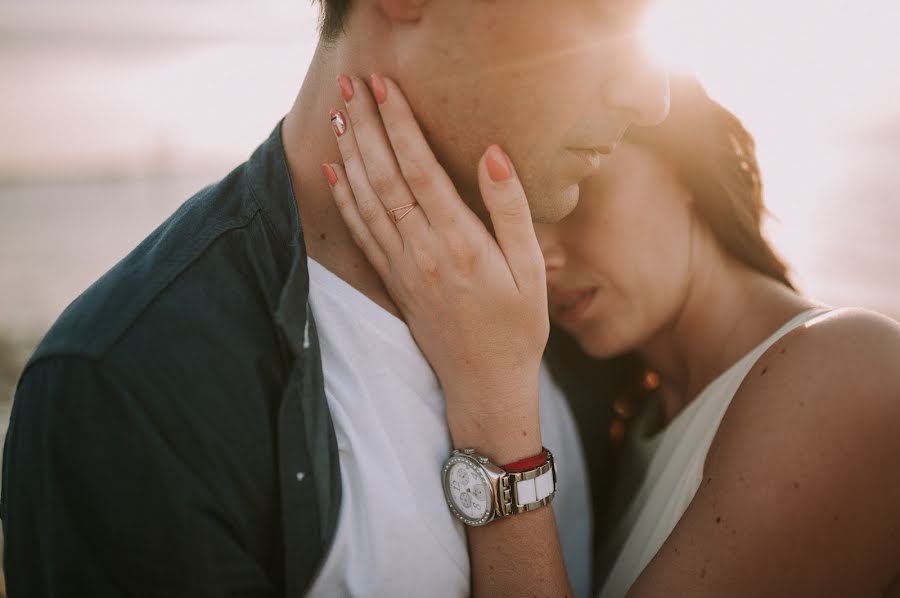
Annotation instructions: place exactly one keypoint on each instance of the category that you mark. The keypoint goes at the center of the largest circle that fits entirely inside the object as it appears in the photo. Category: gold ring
(400, 212)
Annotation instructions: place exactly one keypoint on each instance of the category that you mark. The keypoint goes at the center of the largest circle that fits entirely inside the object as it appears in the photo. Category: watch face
(468, 491)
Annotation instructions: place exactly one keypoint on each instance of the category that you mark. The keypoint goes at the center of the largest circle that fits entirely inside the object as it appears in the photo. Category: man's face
(550, 81)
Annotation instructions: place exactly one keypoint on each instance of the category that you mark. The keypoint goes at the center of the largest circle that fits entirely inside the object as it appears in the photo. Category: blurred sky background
(113, 112)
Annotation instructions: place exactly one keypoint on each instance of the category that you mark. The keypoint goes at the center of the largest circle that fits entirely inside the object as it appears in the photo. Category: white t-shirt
(395, 535)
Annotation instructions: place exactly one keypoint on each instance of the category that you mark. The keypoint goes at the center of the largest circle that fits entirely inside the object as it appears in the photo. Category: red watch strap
(528, 463)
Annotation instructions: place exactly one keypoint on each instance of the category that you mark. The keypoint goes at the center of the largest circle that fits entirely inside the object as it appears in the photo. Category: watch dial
(468, 490)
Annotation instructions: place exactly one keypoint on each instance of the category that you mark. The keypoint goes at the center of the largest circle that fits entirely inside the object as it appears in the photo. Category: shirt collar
(271, 188)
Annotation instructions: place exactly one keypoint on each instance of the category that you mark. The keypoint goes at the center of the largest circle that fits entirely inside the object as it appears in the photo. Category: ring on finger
(401, 212)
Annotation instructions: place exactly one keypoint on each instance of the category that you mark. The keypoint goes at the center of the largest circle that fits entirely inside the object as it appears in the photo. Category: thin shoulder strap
(795, 322)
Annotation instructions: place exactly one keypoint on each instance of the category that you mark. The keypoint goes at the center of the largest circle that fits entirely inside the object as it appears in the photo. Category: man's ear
(403, 11)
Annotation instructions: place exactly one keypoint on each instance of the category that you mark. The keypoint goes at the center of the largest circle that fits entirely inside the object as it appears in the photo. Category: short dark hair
(331, 17)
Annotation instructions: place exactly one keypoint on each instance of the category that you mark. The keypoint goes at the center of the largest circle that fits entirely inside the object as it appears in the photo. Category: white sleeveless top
(675, 457)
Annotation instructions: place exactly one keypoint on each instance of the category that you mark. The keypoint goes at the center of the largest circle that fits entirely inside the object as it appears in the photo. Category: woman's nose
(554, 256)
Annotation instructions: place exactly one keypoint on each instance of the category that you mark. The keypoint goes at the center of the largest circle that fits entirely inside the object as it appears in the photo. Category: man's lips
(568, 307)
(593, 156)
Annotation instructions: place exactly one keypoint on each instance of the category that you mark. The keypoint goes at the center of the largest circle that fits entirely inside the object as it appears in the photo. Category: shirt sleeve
(96, 500)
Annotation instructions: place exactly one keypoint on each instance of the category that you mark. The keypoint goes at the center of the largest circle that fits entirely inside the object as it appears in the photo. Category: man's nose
(640, 90)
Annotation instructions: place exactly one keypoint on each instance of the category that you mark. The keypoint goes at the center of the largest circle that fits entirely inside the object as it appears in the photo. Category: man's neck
(308, 142)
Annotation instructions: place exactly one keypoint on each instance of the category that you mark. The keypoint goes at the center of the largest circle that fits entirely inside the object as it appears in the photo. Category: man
(234, 409)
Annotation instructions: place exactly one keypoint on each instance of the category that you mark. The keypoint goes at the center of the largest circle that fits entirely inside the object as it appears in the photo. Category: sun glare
(664, 37)
(808, 79)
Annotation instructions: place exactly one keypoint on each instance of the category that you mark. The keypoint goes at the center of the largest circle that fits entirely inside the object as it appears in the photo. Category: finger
(424, 175)
(346, 205)
(376, 152)
(505, 201)
(368, 206)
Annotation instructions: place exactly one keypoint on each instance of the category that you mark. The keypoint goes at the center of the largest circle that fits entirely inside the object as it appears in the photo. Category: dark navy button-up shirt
(170, 436)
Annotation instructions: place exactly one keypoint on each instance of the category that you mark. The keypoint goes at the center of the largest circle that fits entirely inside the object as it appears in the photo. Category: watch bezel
(491, 474)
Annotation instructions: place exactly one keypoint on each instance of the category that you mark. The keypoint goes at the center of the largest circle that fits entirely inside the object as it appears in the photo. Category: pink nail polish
(338, 122)
(346, 86)
(379, 89)
(329, 173)
(497, 164)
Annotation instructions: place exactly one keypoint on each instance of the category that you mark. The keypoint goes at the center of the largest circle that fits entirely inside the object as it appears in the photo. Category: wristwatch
(478, 491)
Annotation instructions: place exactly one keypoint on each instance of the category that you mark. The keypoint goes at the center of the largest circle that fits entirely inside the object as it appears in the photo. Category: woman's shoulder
(800, 476)
(843, 330)
(822, 401)
(841, 365)
(801, 467)
(842, 354)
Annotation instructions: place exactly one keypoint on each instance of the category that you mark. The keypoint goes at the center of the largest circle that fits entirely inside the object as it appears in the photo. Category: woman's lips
(571, 308)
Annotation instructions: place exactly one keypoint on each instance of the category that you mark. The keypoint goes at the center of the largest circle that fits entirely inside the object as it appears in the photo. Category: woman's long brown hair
(714, 156)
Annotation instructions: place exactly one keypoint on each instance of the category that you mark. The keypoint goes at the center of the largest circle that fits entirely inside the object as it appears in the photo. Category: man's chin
(555, 207)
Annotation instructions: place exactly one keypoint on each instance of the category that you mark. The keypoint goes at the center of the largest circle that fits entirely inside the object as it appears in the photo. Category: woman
(770, 458)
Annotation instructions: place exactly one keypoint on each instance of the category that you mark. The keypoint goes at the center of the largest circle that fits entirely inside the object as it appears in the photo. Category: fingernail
(379, 88)
(338, 122)
(346, 86)
(497, 164)
(329, 173)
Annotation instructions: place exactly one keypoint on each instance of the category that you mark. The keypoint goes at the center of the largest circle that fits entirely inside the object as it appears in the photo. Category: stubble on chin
(551, 208)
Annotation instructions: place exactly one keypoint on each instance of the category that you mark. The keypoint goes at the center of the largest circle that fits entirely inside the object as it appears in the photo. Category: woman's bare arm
(801, 491)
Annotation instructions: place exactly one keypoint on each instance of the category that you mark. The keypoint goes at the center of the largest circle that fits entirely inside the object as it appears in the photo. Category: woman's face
(619, 266)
